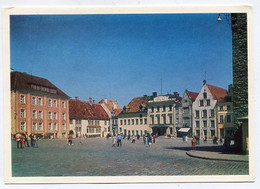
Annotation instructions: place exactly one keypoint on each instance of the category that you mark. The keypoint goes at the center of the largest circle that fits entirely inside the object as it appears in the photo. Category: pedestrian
(133, 139)
(119, 140)
(194, 142)
(128, 137)
(31, 138)
(23, 142)
(18, 140)
(35, 138)
(154, 138)
(114, 139)
(80, 138)
(144, 139)
(26, 139)
(205, 139)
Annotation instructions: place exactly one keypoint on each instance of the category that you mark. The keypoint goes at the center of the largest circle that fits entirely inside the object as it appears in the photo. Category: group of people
(117, 141)
(22, 140)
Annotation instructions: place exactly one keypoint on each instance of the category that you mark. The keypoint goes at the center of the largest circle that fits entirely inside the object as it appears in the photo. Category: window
(22, 113)
(212, 113)
(170, 108)
(124, 122)
(33, 100)
(197, 113)
(205, 95)
(121, 122)
(49, 126)
(34, 127)
(55, 127)
(158, 108)
(152, 109)
(170, 117)
(105, 122)
(204, 123)
(145, 121)
(164, 119)
(221, 119)
(40, 115)
(133, 121)
(54, 103)
(98, 130)
(34, 114)
(22, 99)
(228, 118)
(158, 120)
(221, 108)
(40, 126)
(63, 104)
(201, 103)
(212, 123)
(228, 108)
(22, 126)
(63, 116)
(128, 121)
(197, 123)
(40, 101)
(120, 129)
(49, 102)
(55, 115)
(136, 121)
(63, 126)
(152, 120)
(133, 132)
(208, 102)
(49, 115)
(141, 121)
(164, 108)
(204, 113)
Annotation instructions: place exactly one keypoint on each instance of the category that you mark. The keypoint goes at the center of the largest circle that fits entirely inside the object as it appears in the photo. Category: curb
(218, 159)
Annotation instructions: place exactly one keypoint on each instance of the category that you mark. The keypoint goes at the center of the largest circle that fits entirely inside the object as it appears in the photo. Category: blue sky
(123, 56)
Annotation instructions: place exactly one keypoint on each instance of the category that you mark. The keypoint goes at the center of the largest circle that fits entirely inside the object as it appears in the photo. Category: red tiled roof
(118, 111)
(192, 95)
(134, 105)
(24, 82)
(218, 93)
(110, 104)
(85, 110)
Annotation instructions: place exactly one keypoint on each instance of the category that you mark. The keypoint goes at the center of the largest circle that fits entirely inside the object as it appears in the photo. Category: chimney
(90, 99)
(154, 94)
(230, 88)
(176, 94)
(76, 98)
(105, 100)
(145, 95)
(204, 82)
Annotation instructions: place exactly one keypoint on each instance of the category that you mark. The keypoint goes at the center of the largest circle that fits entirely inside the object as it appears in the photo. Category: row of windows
(212, 122)
(39, 101)
(163, 108)
(204, 113)
(133, 121)
(132, 132)
(227, 107)
(93, 130)
(158, 120)
(39, 126)
(90, 122)
(205, 123)
(39, 114)
(228, 119)
(207, 102)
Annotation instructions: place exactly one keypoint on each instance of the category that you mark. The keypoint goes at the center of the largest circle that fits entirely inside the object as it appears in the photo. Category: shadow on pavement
(213, 148)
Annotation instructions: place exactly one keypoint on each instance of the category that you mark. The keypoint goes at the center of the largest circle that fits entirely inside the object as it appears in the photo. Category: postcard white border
(7, 11)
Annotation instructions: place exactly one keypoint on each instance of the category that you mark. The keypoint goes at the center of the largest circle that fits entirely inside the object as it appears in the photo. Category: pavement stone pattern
(97, 157)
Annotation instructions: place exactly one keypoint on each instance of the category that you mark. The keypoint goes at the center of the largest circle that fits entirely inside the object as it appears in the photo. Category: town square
(129, 95)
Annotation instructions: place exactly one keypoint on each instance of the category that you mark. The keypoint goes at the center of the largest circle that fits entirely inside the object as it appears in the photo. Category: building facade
(186, 109)
(161, 114)
(133, 119)
(205, 110)
(88, 118)
(113, 110)
(38, 107)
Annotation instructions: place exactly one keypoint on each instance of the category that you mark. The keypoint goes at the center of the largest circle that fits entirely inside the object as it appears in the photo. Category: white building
(204, 110)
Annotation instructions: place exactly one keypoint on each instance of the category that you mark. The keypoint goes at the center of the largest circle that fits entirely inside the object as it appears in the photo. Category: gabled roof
(118, 111)
(110, 104)
(217, 92)
(192, 95)
(85, 110)
(26, 83)
(134, 105)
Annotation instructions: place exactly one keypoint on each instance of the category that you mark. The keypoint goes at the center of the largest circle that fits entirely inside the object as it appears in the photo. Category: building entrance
(161, 131)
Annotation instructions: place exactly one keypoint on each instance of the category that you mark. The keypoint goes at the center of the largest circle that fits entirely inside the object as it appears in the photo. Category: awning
(184, 130)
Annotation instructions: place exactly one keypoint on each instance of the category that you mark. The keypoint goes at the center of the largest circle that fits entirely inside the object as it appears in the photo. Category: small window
(228, 107)
(63, 126)
(34, 127)
(33, 100)
(34, 116)
(197, 113)
(63, 116)
(205, 123)
(204, 114)
(124, 122)
(136, 121)
(55, 127)
(22, 126)
(128, 121)
(212, 122)
(40, 101)
(170, 117)
(49, 126)
(145, 121)
(49, 115)
(22, 113)
(205, 95)
(141, 121)
(221, 108)
(121, 122)
(54, 103)
(229, 119)
(197, 124)
(208, 102)
(201, 103)
(221, 119)
(133, 121)
(40, 126)
(22, 99)
(63, 104)
(49, 103)
(212, 113)
(54, 115)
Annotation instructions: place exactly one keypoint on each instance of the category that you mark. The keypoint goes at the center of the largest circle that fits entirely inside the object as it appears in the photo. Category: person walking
(26, 139)
(194, 142)
(133, 139)
(154, 138)
(35, 138)
(144, 140)
(114, 139)
(119, 140)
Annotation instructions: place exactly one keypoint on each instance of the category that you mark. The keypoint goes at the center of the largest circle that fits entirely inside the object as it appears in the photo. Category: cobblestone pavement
(97, 157)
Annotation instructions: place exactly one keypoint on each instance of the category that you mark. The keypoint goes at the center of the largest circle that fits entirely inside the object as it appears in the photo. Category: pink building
(38, 107)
